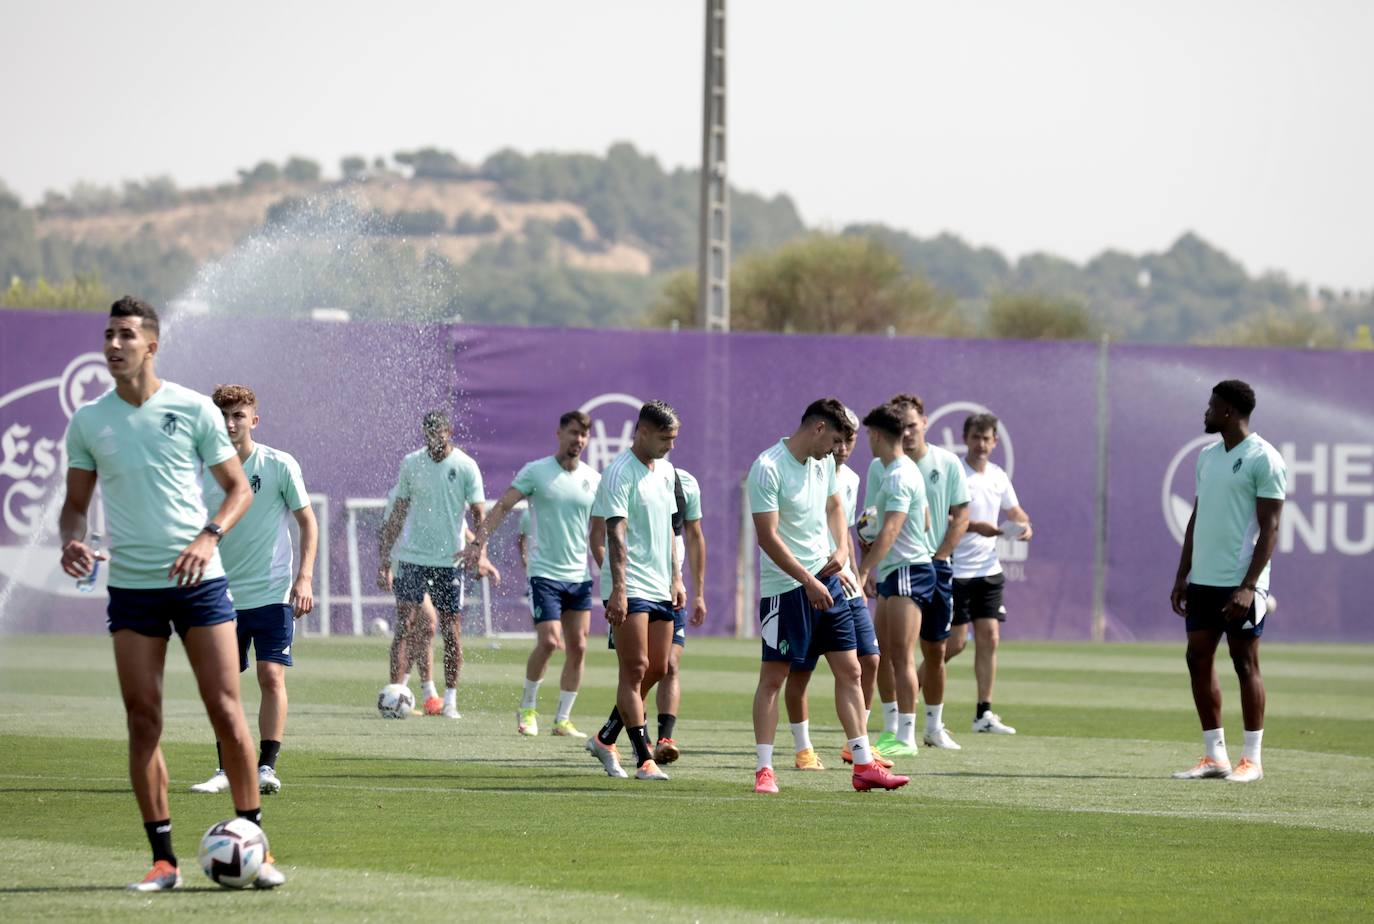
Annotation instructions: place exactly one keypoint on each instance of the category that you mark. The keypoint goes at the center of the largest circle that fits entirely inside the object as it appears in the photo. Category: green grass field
(1075, 817)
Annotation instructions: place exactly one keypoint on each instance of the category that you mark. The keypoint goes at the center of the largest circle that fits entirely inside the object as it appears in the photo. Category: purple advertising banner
(1315, 408)
(346, 399)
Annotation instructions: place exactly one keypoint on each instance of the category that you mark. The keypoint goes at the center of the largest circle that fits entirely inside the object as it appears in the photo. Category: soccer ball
(395, 701)
(868, 524)
(380, 627)
(232, 852)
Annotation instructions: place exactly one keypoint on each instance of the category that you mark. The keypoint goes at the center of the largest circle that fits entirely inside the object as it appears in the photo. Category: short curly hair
(227, 396)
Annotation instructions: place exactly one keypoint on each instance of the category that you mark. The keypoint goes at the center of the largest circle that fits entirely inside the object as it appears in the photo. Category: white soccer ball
(395, 701)
(380, 626)
(232, 852)
(868, 525)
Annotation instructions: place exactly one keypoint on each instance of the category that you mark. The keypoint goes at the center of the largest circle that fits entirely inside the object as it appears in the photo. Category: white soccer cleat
(1206, 768)
(526, 722)
(269, 877)
(451, 712)
(215, 784)
(609, 757)
(649, 771)
(941, 739)
(992, 723)
(1247, 771)
(268, 784)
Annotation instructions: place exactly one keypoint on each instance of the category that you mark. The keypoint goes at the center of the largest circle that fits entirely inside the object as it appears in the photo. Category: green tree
(264, 172)
(828, 284)
(301, 170)
(1031, 316)
(432, 163)
(84, 292)
(1301, 330)
(353, 168)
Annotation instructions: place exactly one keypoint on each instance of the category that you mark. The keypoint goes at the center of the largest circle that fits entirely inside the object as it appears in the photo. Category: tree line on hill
(864, 279)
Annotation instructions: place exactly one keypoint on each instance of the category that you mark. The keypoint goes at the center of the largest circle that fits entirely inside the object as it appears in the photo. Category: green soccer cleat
(564, 728)
(527, 722)
(890, 746)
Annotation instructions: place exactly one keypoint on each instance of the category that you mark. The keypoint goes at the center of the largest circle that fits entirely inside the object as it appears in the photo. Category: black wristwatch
(214, 529)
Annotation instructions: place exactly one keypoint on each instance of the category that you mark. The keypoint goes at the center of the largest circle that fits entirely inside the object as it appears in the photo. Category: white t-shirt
(989, 492)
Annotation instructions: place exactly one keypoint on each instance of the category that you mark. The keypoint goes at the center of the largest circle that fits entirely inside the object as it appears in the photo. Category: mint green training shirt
(148, 462)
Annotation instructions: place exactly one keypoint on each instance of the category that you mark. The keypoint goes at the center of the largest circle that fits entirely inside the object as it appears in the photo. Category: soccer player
(795, 692)
(257, 561)
(640, 580)
(433, 487)
(689, 547)
(560, 489)
(900, 556)
(948, 495)
(977, 571)
(1222, 587)
(799, 519)
(144, 441)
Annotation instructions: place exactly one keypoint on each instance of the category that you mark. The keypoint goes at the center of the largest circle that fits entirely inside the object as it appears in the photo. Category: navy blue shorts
(444, 586)
(922, 584)
(938, 618)
(864, 634)
(269, 629)
(658, 610)
(550, 599)
(1206, 606)
(792, 630)
(154, 612)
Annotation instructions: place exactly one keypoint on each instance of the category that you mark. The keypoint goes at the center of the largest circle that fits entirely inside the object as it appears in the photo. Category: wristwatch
(214, 529)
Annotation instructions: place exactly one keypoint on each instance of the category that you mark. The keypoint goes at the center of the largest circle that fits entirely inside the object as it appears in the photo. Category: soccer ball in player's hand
(380, 627)
(868, 524)
(395, 701)
(232, 852)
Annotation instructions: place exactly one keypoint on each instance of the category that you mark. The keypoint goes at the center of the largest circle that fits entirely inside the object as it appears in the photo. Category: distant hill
(552, 238)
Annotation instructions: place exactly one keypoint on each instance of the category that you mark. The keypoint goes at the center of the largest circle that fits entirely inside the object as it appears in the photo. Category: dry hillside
(207, 230)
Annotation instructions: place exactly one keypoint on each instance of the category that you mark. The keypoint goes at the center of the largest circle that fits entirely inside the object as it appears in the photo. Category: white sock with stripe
(565, 704)
(858, 747)
(1215, 741)
(531, 698)
(906, 728)
(890, 718)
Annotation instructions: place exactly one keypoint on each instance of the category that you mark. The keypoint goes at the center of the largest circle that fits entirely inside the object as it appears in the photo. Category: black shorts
(979, 598)
(443, 585)
(1206, 606)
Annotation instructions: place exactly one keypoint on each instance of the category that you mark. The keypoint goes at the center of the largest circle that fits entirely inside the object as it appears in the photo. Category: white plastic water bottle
(87, 584)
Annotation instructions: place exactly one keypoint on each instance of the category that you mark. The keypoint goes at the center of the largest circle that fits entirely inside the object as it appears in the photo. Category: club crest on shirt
(453, 474)
(1235, 468)
(935, 476)
(169, 423)
(255, 483)
(586, 484)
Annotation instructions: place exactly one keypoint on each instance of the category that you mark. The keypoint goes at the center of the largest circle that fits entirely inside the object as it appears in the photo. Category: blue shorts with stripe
(658, 610)
(154, 612)
(269, 630)
(922, 584)
(795, 631)
(550, 599)
(864, 633)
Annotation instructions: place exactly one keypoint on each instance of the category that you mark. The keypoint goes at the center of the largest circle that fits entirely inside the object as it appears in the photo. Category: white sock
(906, 728)
(765, 752)
(1251, 751)
(890, 718)
(565, 704)
(858, 749)
(405, 681)
(429, 690)
(1215, 740)
(867, 713)
(531, 697)
(801, 735)
(934, 716)
(451, 696)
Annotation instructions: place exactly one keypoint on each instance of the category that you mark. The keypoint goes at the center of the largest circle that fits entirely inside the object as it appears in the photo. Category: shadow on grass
(1046, 776)
(66, 789)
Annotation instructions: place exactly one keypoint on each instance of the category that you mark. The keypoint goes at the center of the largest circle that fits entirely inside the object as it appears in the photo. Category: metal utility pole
(713, 256)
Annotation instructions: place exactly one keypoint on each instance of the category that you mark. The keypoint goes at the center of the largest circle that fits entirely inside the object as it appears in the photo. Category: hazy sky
(1067, 127)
